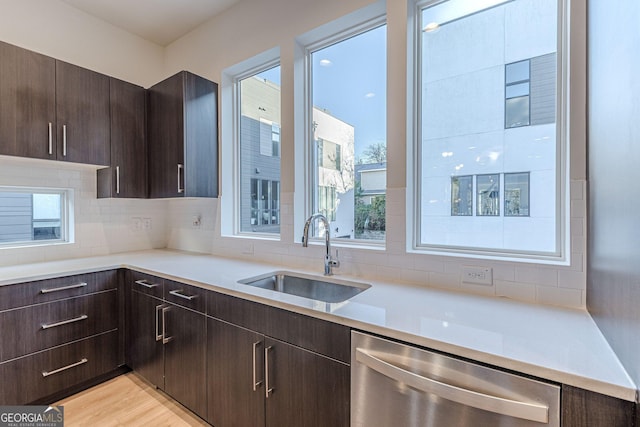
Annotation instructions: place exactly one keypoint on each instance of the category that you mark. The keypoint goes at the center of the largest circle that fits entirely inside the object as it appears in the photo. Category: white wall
(56, 29)
(254, 26)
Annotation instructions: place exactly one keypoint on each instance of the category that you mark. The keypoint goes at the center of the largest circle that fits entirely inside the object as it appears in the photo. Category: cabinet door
(27, 103)
(185, 352)
(146, 350)
(127, 176)
(307, 389)
(166, 138)
(235, 375)
(82, 111)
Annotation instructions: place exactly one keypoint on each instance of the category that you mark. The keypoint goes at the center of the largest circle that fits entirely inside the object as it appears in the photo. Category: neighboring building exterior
(489, 132)
(25, 217)
(372, 178)
(260, 165)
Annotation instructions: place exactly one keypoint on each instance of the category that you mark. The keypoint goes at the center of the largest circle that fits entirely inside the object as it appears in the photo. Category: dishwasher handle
(498, 405)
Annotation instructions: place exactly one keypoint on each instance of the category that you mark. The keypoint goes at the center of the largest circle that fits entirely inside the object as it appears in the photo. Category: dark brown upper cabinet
(127, 176)
(27, 103)
(82, 114)
(182, 134)
(52, 110)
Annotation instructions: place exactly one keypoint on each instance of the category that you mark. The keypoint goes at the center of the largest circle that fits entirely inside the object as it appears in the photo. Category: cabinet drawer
(146, 283)
(42, 374)
(41, 326)
(28, 293)
(320, 336)
(185, 295)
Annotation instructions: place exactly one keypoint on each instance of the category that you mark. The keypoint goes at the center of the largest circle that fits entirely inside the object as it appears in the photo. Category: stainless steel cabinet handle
(64, 140)
(159, 336)
(256, 383)
(498, 405)
(64, 368)
(165, 338)
(180, 189)
(146, 284)
(50, 138)
(64, 322)
(178, 293)
(267, 390)
(63, 288)
(117, 179)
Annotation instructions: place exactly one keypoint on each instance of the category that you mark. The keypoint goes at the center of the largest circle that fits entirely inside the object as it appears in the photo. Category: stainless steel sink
(307, 286)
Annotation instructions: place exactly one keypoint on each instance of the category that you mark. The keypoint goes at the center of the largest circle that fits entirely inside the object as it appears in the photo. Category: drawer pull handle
(146, 283)
(63, 288)
(64, 322)
(64, 368)
(178, 293)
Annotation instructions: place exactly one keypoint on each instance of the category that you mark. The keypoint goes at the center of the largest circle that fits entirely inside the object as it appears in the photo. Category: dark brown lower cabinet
(168, 348)
(31, 378)
(255, 380)
(145, 341)
(235, 375)
(582, 408)
(185, 349)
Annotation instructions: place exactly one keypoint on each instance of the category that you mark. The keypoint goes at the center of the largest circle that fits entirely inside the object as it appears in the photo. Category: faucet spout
(329, 262)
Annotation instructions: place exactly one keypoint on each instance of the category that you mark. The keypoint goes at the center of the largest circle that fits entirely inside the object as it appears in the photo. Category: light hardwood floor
(125, 401)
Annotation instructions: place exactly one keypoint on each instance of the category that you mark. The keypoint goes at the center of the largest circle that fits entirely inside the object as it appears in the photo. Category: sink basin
(307, 286)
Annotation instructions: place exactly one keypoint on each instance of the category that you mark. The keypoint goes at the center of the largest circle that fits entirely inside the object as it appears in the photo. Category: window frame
(343, 28)
(561, 256)
(230, 137)
(66, 216)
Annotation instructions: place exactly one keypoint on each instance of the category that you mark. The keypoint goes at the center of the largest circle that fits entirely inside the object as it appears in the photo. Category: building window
(486, 99)
(488, 190)
(461, 195)
(329, 155)
(265, 204)
(516, 194)
(516, 104)
(259, 151)
(33, 216)
(346, 126)
(327, 202)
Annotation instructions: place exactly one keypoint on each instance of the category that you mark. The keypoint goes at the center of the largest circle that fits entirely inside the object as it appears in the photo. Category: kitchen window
(345, 126)
(489, 83)
(252, 147)
(33, 216)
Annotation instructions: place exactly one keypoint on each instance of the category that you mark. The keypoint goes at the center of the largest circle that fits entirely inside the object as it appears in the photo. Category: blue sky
(350, 81)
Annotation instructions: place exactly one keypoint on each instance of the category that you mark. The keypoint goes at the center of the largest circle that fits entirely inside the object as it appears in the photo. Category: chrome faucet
(329, 263)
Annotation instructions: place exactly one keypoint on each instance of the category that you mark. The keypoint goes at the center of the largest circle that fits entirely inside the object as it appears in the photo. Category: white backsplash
(102, 226)
(537, 283)
(106, 226)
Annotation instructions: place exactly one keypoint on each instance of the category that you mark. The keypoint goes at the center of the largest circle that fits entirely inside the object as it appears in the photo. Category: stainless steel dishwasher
(396, 385)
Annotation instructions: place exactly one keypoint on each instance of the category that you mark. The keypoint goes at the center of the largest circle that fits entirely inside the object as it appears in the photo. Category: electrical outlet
(477, 275)
(146, 223)
(136, 223)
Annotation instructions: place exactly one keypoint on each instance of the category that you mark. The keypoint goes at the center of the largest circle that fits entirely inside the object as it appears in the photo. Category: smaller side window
(30, 216)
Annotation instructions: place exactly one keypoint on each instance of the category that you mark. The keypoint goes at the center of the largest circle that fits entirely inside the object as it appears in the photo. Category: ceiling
(159, 21)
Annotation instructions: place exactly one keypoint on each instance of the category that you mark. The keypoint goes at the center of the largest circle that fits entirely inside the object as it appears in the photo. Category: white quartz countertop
(556, 344)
